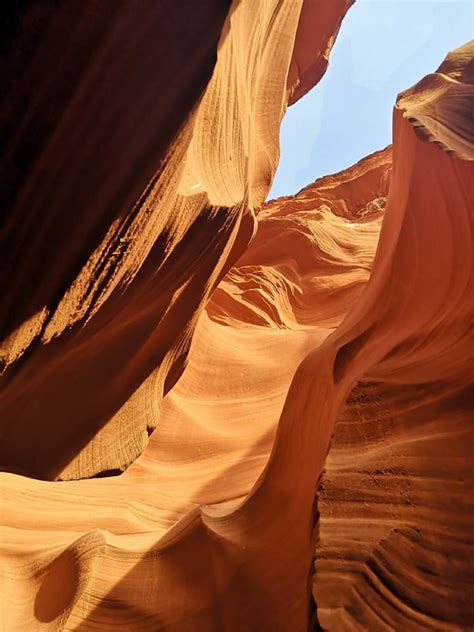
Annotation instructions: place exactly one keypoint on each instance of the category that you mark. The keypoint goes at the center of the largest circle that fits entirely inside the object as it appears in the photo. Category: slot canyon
(220, 412)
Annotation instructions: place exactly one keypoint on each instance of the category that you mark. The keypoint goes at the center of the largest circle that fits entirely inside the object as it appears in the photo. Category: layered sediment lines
(395, 499)
(146, 143)
(396, 511)
(215, 526)
(111, 536)
(155, 138)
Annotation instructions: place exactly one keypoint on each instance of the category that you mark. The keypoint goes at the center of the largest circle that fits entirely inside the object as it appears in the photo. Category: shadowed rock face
(395, 498)
(98, 109)
(320, 352)
(142, 163)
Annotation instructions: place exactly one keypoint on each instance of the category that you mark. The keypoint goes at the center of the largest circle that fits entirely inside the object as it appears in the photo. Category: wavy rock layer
(215, 526)
(110, 256)
(395, 511)
(396, 495)
(213, 441)
(149, 158)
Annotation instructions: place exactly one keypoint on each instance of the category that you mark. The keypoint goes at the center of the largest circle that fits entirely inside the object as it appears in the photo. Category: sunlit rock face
(138, 145)
(111, 536)
(395, 499)
(304, 367)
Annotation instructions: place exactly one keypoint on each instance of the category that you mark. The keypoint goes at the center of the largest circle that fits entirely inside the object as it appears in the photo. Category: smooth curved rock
(136, 196)
(215, 526)
(213, 441)
(396, 495)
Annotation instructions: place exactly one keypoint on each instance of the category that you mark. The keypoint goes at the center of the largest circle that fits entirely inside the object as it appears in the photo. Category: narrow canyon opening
(224, 403)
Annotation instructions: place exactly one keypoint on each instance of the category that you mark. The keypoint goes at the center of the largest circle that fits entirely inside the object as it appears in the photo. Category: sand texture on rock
(156, 139)
(306, 367)
(214, 438)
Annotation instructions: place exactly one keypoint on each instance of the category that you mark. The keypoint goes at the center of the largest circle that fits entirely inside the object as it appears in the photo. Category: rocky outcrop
(317, 31)
(320, 353)
(113, 536)
(142, 163)
(395, 498)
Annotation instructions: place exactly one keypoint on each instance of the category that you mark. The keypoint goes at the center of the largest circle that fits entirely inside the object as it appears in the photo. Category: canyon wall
(311, 458)
(133, 165)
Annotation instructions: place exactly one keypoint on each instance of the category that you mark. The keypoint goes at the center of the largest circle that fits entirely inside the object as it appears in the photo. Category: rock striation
(303, 368)
(144, 156)
(395, 498)
(112, 536)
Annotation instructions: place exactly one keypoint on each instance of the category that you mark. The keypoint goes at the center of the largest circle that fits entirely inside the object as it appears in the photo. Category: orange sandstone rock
(113, 536)
(215, 526)
(144, 156)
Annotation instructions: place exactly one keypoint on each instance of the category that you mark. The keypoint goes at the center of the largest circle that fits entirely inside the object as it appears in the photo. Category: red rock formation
(130, 205)
(215, 434)
(85, 241)
(396, 495)
(317, 31)
(215, 526)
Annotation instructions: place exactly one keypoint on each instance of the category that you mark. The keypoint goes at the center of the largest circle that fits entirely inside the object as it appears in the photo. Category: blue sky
(383, 47)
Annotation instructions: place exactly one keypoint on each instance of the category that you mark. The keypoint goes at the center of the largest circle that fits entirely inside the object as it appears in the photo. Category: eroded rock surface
(320, 352)
(146, 141)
